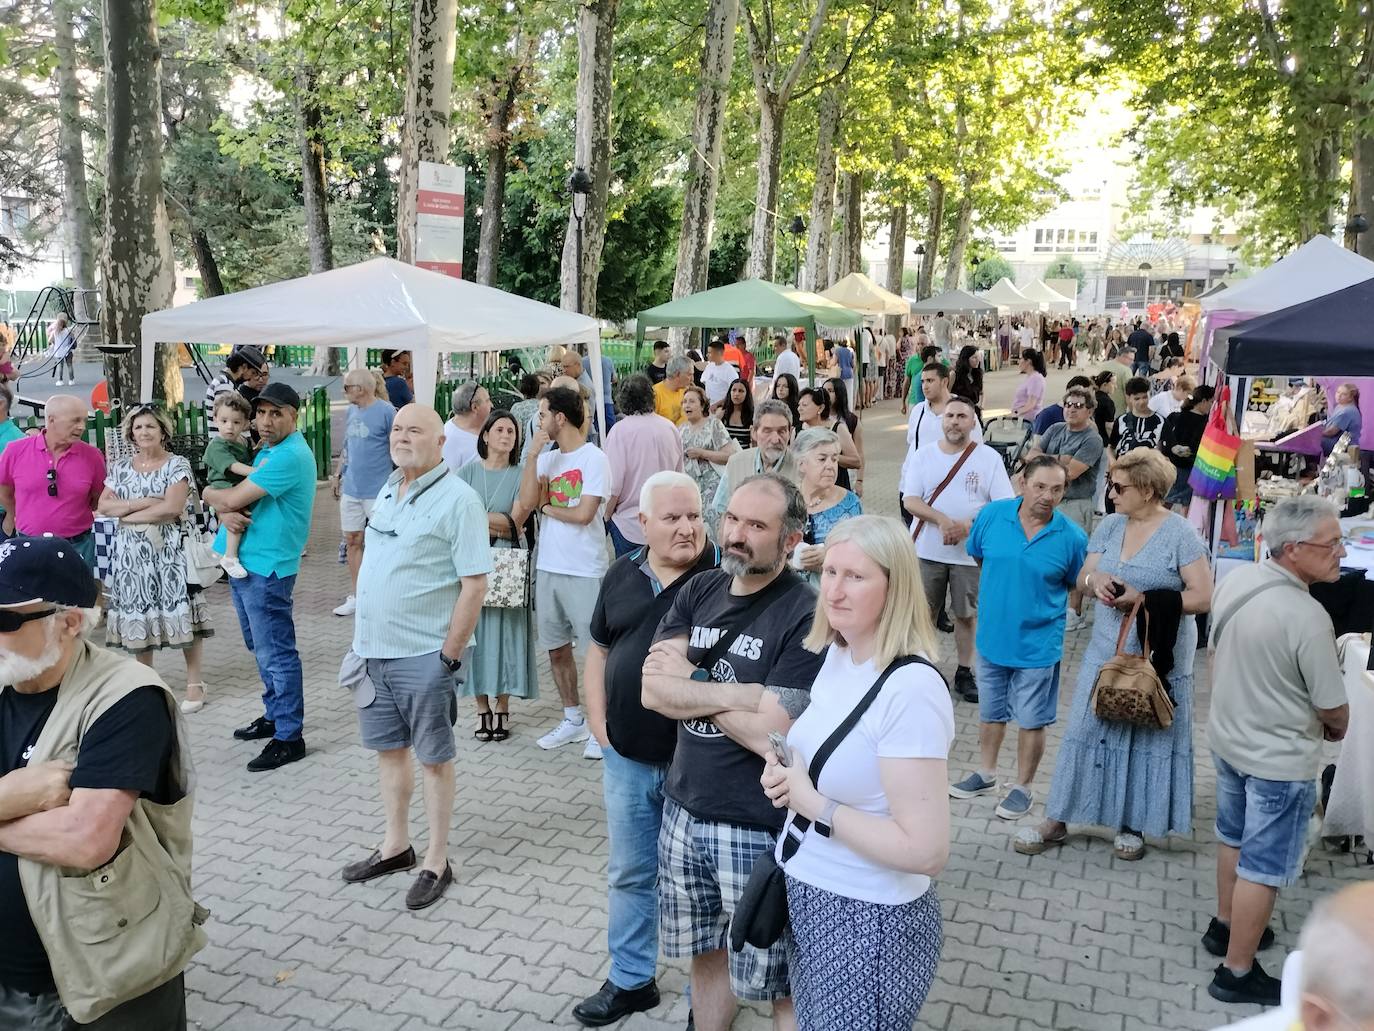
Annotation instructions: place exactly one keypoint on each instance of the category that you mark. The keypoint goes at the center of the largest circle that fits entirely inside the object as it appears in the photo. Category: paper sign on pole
(439, 219)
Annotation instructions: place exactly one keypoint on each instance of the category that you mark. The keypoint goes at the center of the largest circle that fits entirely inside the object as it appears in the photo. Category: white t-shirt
(1165, 404)
(716, 380)
(787, 362)
(983, 478)
(573, 477)
(923, 428)
(911, 718)
(460, 446)
(942, 330)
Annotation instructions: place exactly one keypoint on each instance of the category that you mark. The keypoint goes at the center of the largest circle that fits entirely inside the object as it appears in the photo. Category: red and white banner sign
(439, 221)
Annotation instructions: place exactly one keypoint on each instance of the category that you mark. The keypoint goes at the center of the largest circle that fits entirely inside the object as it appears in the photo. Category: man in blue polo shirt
(1032, 554)
(272, 508)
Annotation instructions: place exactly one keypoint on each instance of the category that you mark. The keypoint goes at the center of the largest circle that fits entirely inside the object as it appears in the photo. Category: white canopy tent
(376, 303)
(956, 302)
(1049, 299)
(1319, 267)
(1007, 298)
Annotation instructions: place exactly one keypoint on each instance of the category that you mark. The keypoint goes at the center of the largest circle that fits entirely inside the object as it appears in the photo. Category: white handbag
(202, 562)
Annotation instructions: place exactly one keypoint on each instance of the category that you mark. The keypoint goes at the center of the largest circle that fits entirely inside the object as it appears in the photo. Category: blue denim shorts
(1267, 820)
(1027, 697)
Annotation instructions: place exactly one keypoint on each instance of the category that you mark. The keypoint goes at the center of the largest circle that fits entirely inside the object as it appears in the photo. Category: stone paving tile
(1071, 939)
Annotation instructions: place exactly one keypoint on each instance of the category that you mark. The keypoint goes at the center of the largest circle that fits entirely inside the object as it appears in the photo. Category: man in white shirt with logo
(788, 362)
(946, 515)
(718, 374)
(923, 426)
(566, 486)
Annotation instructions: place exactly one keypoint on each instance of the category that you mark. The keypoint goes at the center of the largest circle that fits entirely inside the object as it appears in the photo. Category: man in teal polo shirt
(9, 432)
(1029, 555)
(281, 495)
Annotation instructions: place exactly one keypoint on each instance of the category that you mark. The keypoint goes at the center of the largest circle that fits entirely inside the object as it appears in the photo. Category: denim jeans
(1140, 369)
(620, 544)
(263, 604)
(634, 811)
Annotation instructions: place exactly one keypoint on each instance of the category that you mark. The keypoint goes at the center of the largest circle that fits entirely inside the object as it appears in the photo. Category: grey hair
(1337, 961)
(90, 617)
(794, 505)
(677, 365)
(662, 481)
(1293, 520)
(772, 407)
(463, 395)
(810, 439)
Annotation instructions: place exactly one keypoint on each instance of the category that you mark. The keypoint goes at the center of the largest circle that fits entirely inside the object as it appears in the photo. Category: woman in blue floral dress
(818, 460)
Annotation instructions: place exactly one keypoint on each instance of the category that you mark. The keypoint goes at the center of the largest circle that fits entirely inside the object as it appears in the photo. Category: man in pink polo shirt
(50, 482)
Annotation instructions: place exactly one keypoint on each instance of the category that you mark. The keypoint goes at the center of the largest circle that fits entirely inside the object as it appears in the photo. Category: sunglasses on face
(1075, 404)
(11, 621)
(1117, 488)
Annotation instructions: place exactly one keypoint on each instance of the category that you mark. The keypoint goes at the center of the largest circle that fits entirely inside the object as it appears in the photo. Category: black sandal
(501, 731)
(483, 731)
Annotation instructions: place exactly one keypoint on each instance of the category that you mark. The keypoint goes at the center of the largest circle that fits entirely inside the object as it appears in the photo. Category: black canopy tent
(1331, 335)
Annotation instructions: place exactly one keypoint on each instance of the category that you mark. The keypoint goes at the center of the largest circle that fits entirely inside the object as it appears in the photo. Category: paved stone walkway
(1071, 939)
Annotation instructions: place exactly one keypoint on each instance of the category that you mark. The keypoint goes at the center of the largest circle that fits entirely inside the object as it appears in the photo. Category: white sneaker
(592, 749)
(565, 733)
(234, 568)
(349, 606)
(1075, 622)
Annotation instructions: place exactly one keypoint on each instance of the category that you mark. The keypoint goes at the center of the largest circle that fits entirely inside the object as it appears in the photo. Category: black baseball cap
(278, 394)
(45, 569)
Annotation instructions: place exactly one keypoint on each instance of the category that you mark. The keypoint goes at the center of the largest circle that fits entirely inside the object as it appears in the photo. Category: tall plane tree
(429, 100)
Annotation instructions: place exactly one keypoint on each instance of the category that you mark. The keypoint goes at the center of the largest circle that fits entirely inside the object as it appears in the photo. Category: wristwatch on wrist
(700, 674)
(822, 823)
(450, 664)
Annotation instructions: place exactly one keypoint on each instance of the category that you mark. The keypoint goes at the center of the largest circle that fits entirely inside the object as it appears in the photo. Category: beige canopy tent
(1048, 298)
(1007, 298)
(859, 293)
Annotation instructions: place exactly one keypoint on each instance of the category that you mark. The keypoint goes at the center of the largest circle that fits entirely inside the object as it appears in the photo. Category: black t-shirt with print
(1133, 431)
(712, 777)
(620, 624)
(129, 747)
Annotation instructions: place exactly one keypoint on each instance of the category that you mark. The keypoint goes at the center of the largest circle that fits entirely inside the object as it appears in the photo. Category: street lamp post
(580, 186)
(1145, 267)
(798, 230)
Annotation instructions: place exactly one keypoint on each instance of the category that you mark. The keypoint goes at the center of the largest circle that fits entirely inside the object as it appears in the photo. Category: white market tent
(1007, 298)
(858, 292)
(956, 302)
(1049, 299)
(383, 303)
(1320, 266)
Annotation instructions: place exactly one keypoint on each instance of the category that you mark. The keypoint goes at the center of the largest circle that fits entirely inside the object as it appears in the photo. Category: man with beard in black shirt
(637, 744)
(729, 664)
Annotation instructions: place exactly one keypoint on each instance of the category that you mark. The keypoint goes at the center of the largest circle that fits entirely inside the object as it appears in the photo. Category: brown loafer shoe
(429, 888)
(375, 866)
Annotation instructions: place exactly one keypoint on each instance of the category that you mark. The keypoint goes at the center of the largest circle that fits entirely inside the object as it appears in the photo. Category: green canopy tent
(751, 303)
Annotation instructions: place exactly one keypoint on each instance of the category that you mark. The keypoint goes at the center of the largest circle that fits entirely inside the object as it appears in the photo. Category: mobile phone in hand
(1118, 588)
(779, 744)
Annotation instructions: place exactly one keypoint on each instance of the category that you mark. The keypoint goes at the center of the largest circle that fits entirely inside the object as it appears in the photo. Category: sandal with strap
(1030, 842)
(188, 706)
(502, 730)
(1128, 845)
(483, 731)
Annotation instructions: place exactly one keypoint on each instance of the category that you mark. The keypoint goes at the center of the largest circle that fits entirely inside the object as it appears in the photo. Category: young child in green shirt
(226, 464)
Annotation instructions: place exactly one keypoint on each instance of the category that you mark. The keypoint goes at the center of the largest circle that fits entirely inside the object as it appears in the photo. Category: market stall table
(1350, 810)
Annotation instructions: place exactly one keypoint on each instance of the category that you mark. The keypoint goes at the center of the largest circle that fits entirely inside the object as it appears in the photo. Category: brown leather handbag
(1127, 689)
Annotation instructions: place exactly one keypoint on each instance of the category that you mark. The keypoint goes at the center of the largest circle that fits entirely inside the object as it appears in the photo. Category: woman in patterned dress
(827, 503)
(503, 643)
(706, 447)
(149, 605)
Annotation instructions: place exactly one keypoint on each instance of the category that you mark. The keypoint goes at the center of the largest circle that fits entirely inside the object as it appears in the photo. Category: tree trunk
(954, 268)
(762, 243)
(1362, 190)
(210, 283)
(79, 222)
(703, 160)
(935, 215)
(823, 192)
(493, 202)
(136, 257)
(310, 122)
(429, 99)
(838, 238)
(853, 224)
(591, 151)
(896, 260)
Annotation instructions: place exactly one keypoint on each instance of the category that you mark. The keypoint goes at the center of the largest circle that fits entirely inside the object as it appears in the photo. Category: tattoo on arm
(792, 699)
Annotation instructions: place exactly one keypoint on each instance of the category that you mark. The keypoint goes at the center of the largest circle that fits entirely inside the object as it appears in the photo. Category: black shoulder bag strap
(784, 583)
(796, 830)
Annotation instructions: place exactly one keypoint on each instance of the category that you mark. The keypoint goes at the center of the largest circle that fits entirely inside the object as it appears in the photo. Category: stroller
(1010, 437)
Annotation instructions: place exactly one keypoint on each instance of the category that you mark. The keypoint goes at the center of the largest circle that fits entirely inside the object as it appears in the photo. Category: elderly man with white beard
(95, 813)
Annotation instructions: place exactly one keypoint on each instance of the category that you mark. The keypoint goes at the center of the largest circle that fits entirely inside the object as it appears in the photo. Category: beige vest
(744, 464)
(118, 932)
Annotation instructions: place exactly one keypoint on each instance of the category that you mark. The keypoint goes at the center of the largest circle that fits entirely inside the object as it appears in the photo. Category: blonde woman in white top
(865, 920)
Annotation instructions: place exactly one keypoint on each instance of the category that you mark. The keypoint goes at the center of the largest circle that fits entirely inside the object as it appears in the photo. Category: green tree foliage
(990, 269)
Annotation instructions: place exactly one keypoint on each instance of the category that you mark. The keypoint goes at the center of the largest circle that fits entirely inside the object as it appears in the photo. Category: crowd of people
(751, 657)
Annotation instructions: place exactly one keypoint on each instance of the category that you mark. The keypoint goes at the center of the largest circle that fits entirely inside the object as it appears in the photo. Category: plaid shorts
(702, 870)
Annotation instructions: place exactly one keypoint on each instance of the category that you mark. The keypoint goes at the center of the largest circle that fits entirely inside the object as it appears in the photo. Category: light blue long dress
(503, 643)
(1118, 775)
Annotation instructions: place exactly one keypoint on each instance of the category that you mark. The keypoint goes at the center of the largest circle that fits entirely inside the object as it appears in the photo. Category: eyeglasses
(1117, 488)
(52, 482)
(1074, 404)
(10, 621)
(1324, 545)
